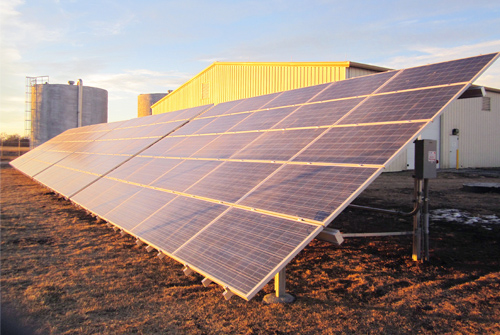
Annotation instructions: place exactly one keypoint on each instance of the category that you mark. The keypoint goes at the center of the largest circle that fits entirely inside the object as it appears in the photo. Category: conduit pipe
(79, 111)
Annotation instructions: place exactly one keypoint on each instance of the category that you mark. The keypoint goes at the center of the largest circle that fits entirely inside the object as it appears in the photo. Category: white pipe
(80, 103)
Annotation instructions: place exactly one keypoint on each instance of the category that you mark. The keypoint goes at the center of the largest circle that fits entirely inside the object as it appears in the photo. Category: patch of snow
(458, 216)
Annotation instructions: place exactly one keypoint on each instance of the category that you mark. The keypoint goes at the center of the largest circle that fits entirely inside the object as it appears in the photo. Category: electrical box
(425, 159)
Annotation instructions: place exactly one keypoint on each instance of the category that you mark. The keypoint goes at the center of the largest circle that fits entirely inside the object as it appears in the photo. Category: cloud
(137, 81)
(124, 87)
(427, 54)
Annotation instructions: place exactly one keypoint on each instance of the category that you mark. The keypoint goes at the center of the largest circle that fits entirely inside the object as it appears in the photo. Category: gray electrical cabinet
(425, 159)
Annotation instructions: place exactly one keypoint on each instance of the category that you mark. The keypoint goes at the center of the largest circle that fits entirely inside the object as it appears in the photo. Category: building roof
(345, 64)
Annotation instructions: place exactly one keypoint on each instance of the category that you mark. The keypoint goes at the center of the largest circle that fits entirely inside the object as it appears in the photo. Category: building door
(453, 151)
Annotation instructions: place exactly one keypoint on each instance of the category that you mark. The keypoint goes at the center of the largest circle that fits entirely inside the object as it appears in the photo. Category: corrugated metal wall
(223, 82)
(358, 72)
(479, 139)
(399, 163)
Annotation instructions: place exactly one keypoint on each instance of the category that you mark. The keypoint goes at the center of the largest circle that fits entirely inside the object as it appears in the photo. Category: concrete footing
(273, 299)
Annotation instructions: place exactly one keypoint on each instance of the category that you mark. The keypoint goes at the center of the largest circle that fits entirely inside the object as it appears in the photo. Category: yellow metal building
(227, 81)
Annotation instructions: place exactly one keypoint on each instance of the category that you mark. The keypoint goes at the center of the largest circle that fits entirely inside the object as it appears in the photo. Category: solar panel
(61, 146)
(231, 180)
(262, 120)
(373, 144)
(360, 86)
(402, 106)
(237, 190)
(177, 222)
(278, 145)
(138, 207)
(308, 191)
(458, 71)
(242, 248)
(95, 151)
(185, 175)
(313, 115)
(254, 103)
(297, 96)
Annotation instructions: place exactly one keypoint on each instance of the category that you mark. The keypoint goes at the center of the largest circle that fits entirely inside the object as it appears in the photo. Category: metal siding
(479, 143)
(357, 72)
(232, 82)
(399, 163)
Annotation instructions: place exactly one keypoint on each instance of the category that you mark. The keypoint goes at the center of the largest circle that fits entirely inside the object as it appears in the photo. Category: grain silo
(58, 107)
(145, 101)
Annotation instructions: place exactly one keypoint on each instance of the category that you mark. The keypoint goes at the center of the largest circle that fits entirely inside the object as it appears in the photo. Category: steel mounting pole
(279, 296)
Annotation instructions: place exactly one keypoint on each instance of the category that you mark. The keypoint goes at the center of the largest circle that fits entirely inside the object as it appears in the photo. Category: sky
(151, 46)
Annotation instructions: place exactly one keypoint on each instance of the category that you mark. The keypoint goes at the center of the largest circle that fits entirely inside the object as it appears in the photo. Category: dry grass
(65, 273)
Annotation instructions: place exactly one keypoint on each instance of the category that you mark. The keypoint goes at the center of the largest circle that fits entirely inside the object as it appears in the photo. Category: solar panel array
(235, 191)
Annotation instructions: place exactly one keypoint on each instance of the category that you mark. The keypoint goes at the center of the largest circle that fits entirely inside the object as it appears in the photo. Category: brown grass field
(62, 272)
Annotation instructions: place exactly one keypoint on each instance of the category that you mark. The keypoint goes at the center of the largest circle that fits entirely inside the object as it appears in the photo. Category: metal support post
(79, 108)
(279, 296)
(280, 283)
(417, 224)
(425, 217)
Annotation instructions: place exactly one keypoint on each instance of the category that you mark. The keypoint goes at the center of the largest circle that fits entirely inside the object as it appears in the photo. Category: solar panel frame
(217, 151)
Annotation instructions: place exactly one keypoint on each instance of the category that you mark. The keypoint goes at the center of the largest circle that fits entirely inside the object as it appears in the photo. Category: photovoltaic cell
(278, 145)
(193, 126)
(222, 108)
(120, 134)
(185, 174)
(412, 105)
(177, 222)
(225, 146)
(60, 147)
(86, 162)
(39, 164)
(186, 147)
(458, 71)
(155, 169)
(84, 155)
(360, 145)
(65, 181)
(131, 147)
(354, 87)
(308, 191)
(255, 103)
(132, 167)
(104, 195)
(192, 112)
(263, 119)
(158, 130)
(230, 181)
(324, 114)
(166, 145)
(138, 207)
(147, 170)
(241, 248)
(297, 96)
(222, 124)
(32, 154)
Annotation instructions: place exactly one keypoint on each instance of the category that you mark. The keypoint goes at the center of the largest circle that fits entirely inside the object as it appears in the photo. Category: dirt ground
(62, 272)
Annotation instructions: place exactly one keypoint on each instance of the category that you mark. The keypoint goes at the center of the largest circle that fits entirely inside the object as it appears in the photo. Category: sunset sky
(149, 46)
